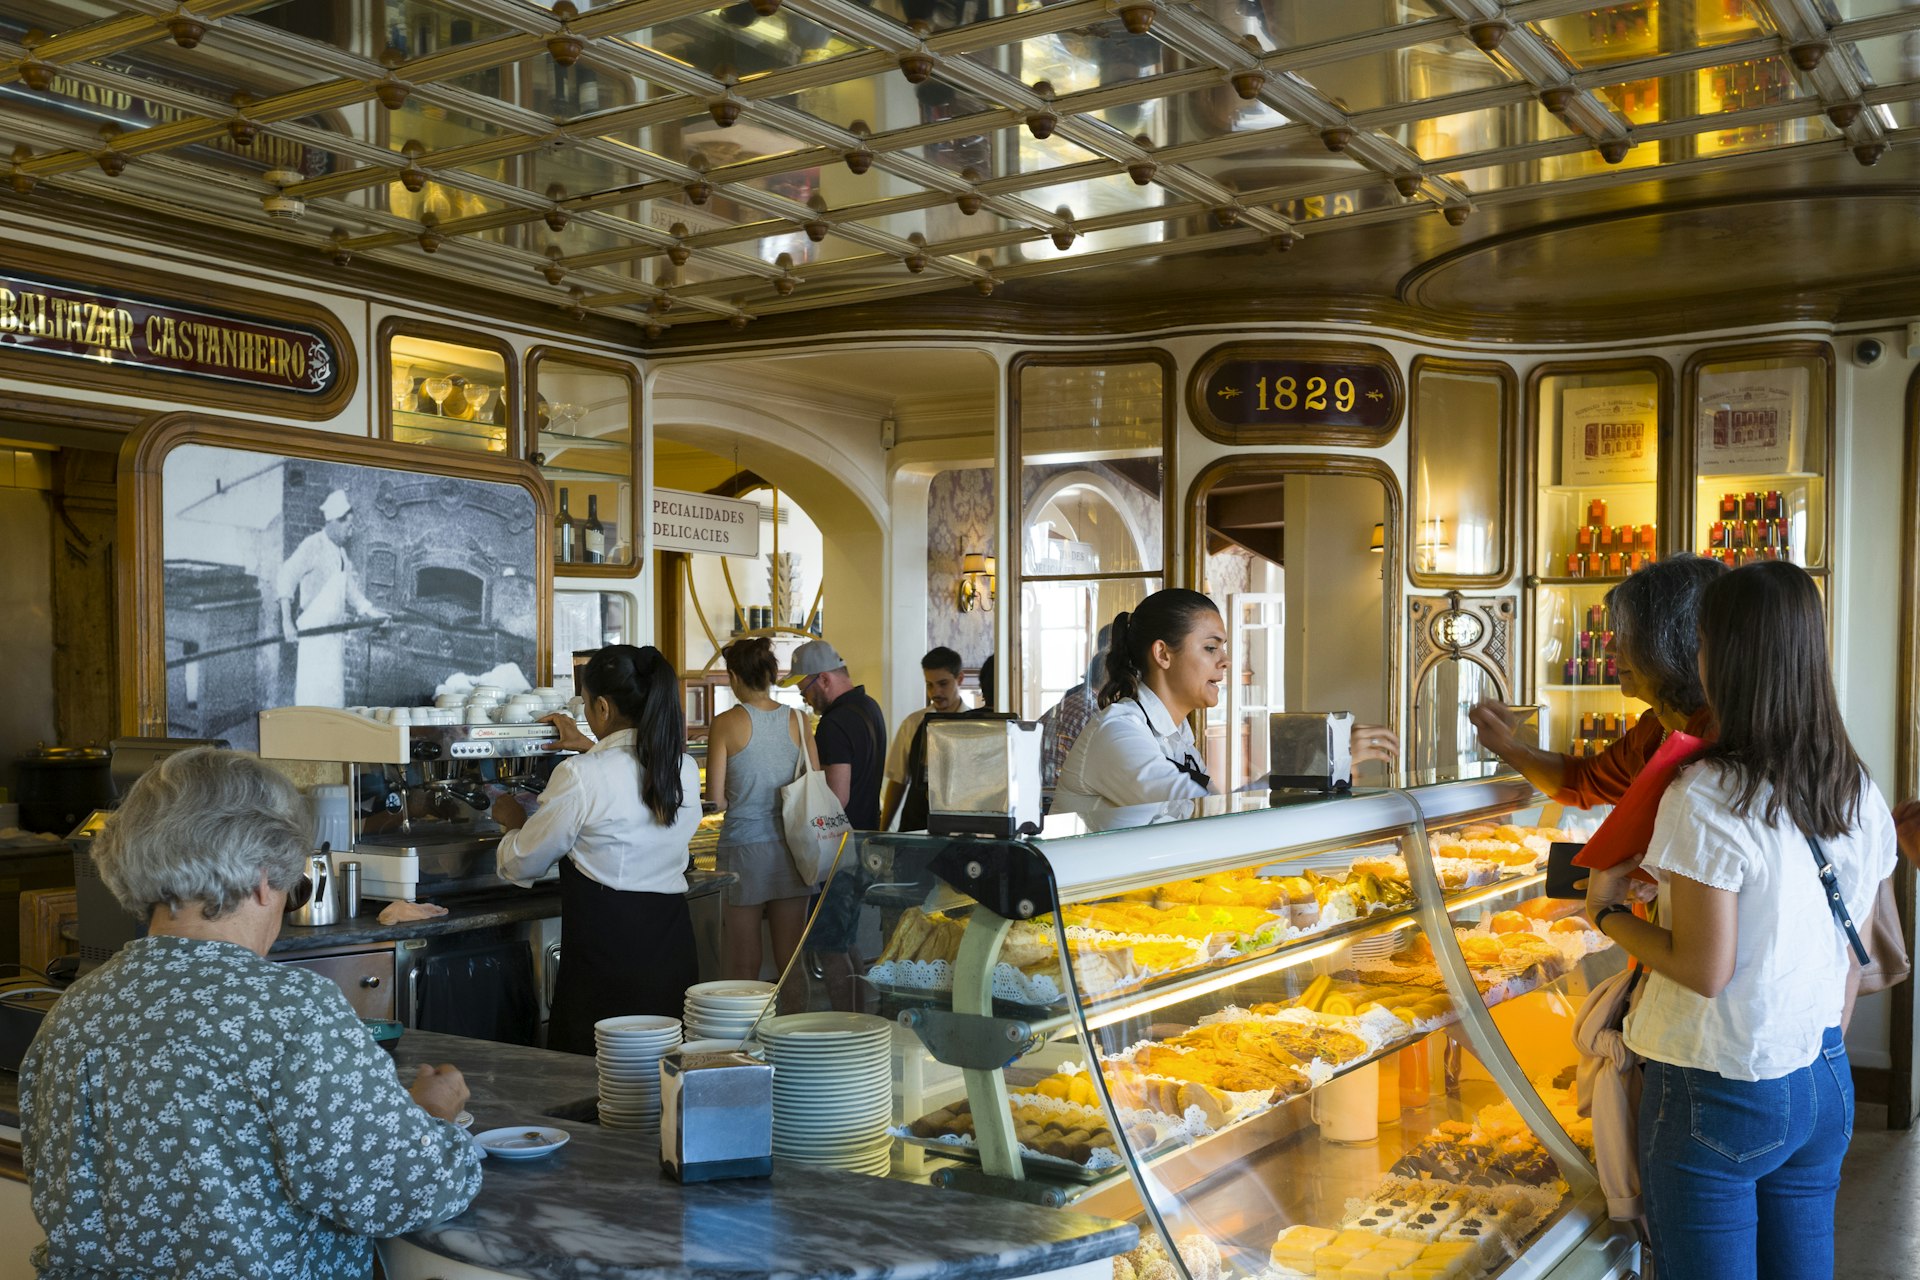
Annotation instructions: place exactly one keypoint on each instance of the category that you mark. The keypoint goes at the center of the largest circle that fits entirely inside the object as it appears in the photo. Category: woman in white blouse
(618, 818)
(1137, 762)
(1747, 1105)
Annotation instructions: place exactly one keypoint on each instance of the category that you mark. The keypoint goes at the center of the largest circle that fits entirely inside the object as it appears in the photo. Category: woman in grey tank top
(753, 750)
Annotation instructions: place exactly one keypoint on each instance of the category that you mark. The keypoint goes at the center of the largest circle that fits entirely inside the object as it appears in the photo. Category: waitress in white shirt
(617, 818)
(1137, 762)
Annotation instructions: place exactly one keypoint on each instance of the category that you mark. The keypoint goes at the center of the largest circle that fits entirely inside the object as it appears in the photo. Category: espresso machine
(421, 793)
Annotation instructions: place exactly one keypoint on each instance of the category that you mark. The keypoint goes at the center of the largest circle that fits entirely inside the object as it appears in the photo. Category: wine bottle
(563, 533)
(594, 534)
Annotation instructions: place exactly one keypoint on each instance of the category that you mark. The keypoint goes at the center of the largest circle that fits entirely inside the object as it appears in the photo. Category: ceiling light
(1337, 137)
(186, 32)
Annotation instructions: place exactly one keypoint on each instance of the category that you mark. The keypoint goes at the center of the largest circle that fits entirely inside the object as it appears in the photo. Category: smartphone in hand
(1562, 875)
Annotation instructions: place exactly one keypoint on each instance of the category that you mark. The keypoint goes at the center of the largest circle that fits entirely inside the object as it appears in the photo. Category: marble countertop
(601, 1207)
(509, 906)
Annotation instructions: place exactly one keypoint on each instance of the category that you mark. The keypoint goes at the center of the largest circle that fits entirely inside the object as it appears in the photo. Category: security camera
(1867, 352)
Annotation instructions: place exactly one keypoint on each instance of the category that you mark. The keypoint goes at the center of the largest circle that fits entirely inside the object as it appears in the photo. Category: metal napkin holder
(983, 776)
(1310, 751)
(716, 1116)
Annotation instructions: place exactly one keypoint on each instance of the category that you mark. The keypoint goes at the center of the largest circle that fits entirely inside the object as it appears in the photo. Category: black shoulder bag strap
(1830, 885)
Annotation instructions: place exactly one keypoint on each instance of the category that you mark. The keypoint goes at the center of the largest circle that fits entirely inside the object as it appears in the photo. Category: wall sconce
(1378, 542)
(976, 582)
(1431, 541)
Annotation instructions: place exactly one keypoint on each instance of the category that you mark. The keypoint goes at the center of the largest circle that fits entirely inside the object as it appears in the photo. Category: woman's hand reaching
(566, 732)
(1374, 742)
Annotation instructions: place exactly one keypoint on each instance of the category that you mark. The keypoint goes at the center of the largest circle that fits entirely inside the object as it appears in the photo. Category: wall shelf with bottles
(1756, 452)
(584, 435)
(1598, 468)
(447, 388)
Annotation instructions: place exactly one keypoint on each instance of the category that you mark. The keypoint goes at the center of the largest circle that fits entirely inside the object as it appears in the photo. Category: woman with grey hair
(1656, 648)
(191, 1108)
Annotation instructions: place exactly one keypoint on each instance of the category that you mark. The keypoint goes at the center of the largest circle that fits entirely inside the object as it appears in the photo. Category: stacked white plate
(627, 1052)
(832, 1089)
(725, 1010)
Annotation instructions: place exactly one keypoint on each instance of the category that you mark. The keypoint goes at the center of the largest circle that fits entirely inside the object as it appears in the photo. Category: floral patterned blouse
(190, 1109)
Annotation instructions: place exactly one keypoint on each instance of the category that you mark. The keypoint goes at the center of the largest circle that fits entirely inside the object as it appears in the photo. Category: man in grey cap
(853, 732)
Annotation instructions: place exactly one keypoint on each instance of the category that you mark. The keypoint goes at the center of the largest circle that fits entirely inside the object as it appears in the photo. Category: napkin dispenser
(716, 1116)
(983, 776)
(1310, 751)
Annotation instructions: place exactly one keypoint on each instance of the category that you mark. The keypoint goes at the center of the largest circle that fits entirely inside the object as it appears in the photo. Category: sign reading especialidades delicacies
(704, 525)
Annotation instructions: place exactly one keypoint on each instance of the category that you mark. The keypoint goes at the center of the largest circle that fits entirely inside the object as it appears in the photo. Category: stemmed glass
(438, 389)
(402, 384)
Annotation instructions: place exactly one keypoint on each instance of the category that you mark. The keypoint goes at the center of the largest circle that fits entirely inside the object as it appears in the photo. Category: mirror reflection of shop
(1091, 440)
(1462, 653)
(1302, 556)
(584, 621)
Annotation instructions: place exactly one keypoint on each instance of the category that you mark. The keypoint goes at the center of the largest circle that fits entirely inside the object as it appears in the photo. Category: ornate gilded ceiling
(670, 164)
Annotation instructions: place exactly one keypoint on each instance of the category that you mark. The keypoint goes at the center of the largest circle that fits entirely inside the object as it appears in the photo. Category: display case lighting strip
(1230, 977)
(1495, 891)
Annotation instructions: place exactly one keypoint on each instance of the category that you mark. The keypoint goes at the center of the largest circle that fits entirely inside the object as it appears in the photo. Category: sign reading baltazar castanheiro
(704, 525)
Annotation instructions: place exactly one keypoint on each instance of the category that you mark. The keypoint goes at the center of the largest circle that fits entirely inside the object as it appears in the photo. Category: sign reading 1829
(1297, 392)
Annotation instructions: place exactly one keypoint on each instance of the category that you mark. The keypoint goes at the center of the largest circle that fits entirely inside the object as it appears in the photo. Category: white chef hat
(336, 505)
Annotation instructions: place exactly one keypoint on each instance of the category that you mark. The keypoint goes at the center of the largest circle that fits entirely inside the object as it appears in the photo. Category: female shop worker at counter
(1137, 763)
(193, 1109)
(1656, 642)
(618, 818)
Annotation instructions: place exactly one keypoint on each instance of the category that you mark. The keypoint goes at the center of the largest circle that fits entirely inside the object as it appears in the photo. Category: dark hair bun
(750, 660)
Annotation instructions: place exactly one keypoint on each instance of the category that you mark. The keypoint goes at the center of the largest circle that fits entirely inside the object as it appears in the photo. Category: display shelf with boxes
(1758, 451)
(1598, 494)
(1286, 1038)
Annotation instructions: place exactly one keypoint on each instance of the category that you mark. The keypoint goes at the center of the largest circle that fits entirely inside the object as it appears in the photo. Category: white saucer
(521, 1142)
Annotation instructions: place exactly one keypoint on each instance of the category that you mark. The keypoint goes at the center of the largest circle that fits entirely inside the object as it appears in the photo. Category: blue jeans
(1738, 1176)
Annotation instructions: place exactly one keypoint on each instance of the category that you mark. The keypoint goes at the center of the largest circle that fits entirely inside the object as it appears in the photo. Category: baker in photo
(319, 581)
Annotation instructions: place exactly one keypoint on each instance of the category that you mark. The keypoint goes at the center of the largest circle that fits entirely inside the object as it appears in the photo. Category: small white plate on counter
(521, 1142)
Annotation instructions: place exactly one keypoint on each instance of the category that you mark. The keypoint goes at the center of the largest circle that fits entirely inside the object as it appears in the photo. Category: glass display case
(585, 438)
(1758, 451)
(1598, 462)
(1331, 1036)
(447, 388)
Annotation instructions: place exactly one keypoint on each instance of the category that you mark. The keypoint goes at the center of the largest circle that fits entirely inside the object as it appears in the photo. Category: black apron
(621, 952)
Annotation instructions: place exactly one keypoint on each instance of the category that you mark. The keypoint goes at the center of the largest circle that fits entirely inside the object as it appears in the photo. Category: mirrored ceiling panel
(832, 133)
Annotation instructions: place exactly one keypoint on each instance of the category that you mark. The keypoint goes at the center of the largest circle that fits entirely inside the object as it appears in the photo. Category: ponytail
(1168, 616)
(641, 685)
(1123, 672)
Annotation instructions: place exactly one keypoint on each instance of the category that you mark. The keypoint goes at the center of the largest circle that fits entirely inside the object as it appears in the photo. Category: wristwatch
(1600, 916)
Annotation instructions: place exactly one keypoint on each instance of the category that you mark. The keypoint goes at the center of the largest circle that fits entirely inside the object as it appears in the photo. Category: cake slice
(1293, 1252)
(1331, 1260)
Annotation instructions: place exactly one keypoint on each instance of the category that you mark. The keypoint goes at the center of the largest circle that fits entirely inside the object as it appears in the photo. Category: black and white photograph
(295, 582)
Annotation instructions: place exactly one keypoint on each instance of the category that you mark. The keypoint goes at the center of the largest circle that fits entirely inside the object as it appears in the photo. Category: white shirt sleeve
(525, 855)
(1697, 837)
(1124, 765)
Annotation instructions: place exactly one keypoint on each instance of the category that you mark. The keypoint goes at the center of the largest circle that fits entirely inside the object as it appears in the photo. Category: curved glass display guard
(1332, 1037)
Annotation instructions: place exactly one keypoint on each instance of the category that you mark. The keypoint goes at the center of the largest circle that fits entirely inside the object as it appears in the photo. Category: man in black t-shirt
(852, 734)
(852, 737)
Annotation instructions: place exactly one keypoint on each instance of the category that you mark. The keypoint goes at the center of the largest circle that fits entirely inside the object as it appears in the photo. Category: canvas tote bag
(811, 819)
